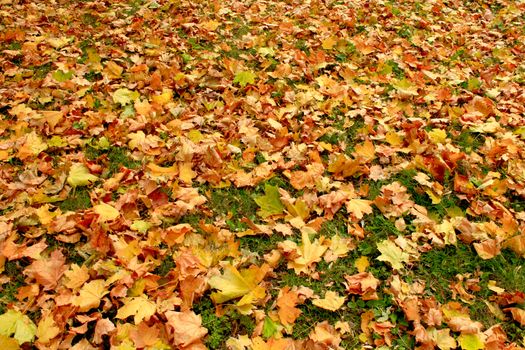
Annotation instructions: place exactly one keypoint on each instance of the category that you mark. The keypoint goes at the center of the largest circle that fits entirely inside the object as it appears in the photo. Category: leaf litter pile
(262, 174)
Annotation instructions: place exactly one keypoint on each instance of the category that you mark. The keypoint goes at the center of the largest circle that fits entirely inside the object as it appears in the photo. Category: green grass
(116, 157)
(221, 328)
(78, 199)
(165, 266)
(505, 268)
(8, 291)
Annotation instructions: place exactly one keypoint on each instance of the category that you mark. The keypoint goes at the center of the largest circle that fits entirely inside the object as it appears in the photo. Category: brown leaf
(48, 272)
(186, 327)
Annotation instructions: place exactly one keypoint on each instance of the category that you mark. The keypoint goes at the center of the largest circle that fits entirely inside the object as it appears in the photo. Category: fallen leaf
(19, 326)
(79, 175)
(141, 308)
(187, 327)
(392, 254)
(269, 203)
(245, 77)
(48, 272)
(106, 212)
(332, 301)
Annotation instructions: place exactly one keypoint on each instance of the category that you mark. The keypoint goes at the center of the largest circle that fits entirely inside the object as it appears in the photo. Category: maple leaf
(364, 284)
(47, 329)
(359, 207)
(90, 295)
(76, 276)
(187, 328)
(79, 175)
(332, 301)
(392, 254)
(48, 272)
(106, 212)
(406, 87)
(308, 253)
(125, 96)
(269, 328)
(517, 314)
(19, 326)
(244, 78)
(286, 302)
(443, 339)
(361, 263)
(339, 247)
(471, 342)
(270, 202)
(141, 308)
(102, 327)
(7, 343)
(61, 76)
(517, 244)
(234, 284)
(32, 146)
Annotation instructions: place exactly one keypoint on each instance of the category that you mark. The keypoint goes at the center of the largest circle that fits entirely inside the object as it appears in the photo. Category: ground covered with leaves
(262, 174)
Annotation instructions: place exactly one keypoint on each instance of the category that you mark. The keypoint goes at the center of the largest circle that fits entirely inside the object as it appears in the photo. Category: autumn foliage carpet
(262, 175)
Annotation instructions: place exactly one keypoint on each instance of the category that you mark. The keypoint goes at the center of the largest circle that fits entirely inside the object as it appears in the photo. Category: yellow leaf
(106, 212)
(359, 207)
(76, 276)
(329, 43)
(7, 343)
(470, 342)
(393, 138)
(186, 174)
(210, 25)
(495, 310)
(195, 136)
(366, 150)
(90, 295)
(234, 284)
(113, 70)
(362, 263)
(125, 96)
(45, 215)
(79, 175)
(32, 146)
(437, 135)
(332, 301)
(339, 247)
(392, 254)
(159, 172)
(164, 98)
(406, 87)
(443, 339)
(141, 308)
(47, 329)
(435, 198)
(19, 326)
(309, 253)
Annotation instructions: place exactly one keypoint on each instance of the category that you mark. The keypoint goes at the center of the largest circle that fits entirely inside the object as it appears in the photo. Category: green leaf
(392, 254)
(470, 342)
(129, 111)
(56, 141)
(473, 84)
(270, 203)
(244, 78)
(140, 226)
(269, 328)
(16, 324)
(62, 76)
(125, 96)
(79, 175)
